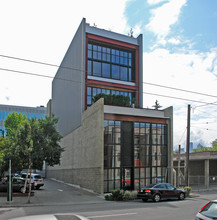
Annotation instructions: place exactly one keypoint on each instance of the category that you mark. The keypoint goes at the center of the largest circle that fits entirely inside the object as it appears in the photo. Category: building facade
(108, 147)
(202, 169)
(29, 112)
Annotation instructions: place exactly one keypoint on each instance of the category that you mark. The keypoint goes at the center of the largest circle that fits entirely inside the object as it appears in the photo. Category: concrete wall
(83, 158)
(168, 112)
(68, 85)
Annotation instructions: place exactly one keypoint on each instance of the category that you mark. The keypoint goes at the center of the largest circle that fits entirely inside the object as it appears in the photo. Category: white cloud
(42, 30)
(174, 41)
(164, 17)
(154, 2)
(188, 71)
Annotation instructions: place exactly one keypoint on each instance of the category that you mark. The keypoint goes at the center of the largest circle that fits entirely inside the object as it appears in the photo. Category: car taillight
(147, 191)
(35, 180)
(204, 206)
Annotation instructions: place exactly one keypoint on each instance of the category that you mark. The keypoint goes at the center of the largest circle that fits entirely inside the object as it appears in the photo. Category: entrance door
(127, 182)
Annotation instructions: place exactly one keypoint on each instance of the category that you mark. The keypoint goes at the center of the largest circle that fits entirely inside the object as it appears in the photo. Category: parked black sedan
(159, 191)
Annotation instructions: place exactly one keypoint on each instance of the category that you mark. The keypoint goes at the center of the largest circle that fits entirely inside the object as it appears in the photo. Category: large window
(91, 92)
(112, 155)
(112, 63)
(148, 152)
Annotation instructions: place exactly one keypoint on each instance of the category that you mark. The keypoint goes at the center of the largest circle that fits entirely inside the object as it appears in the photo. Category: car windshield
(210, 210)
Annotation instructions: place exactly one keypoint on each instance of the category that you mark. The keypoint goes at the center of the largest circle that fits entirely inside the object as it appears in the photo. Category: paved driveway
(54, 193)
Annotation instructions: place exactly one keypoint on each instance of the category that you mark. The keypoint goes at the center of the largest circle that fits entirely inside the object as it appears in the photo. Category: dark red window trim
(118, 44)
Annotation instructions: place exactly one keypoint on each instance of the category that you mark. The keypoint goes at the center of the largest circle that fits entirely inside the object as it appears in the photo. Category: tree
(204, 149)
(214, 144)
(110, 99)
(24, 143)
(30, 142)
(10, 148)
(2, 154)
(46, 142)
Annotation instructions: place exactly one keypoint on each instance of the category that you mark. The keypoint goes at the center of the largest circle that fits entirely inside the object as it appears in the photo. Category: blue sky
(180, 51)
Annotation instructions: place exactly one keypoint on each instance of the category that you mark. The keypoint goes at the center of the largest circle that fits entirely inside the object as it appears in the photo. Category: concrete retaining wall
(82, 160)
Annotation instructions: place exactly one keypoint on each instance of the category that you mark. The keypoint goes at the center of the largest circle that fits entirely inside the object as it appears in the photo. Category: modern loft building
(30, 112)
(106, 146)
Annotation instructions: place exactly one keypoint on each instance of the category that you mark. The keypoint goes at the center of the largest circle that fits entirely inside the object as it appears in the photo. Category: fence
(198, 182)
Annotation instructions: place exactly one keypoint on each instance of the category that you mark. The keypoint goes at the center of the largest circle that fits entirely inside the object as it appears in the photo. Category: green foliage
(12, 148)
(115, 195)
(214, 145)
(13, 122)
(204, 149)
(109, 99)
(120, 195)
(187, 190)
(130, 195)
(29, 142)
(46, 141)
(2, 154)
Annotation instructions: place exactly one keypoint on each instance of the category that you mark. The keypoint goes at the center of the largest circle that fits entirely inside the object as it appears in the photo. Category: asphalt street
(66, 201)
(54, 193)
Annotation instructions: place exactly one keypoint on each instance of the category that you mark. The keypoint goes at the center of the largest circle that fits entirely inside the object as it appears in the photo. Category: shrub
(115, 195)
(108, 197)
(187, 190)
(130, 195)
(120, 195)
(110, 99)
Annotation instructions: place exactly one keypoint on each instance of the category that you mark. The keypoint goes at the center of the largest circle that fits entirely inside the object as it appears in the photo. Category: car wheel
(181, 196)
(156, 198)
(37, 187)
(144, 200)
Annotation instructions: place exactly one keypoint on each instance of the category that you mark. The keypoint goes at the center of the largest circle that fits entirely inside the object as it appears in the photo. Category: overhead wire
(69, 68)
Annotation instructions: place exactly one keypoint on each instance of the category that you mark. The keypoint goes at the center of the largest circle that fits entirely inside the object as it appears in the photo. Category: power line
(183, 90)
(183, 134)
(45, 76)
(41, 63)
(207, 113)
(38, 75)
(70, 68)
(204, 128)
(190, 100)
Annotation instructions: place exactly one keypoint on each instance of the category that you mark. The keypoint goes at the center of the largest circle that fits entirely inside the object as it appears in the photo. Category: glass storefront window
(149, 157)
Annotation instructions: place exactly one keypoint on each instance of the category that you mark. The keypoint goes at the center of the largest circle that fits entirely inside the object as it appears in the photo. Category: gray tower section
(68, 86)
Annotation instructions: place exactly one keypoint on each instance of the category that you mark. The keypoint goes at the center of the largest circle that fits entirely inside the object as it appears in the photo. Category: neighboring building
(202, 168)
(108, 147)
(30, 112)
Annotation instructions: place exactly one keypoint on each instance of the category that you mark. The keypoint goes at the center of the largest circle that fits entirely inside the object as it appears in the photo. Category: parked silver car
(36, 179)
(208, 211)
(17, 183)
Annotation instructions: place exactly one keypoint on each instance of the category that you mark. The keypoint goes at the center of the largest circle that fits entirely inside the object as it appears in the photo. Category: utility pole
(179, 158)
(187, 146)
